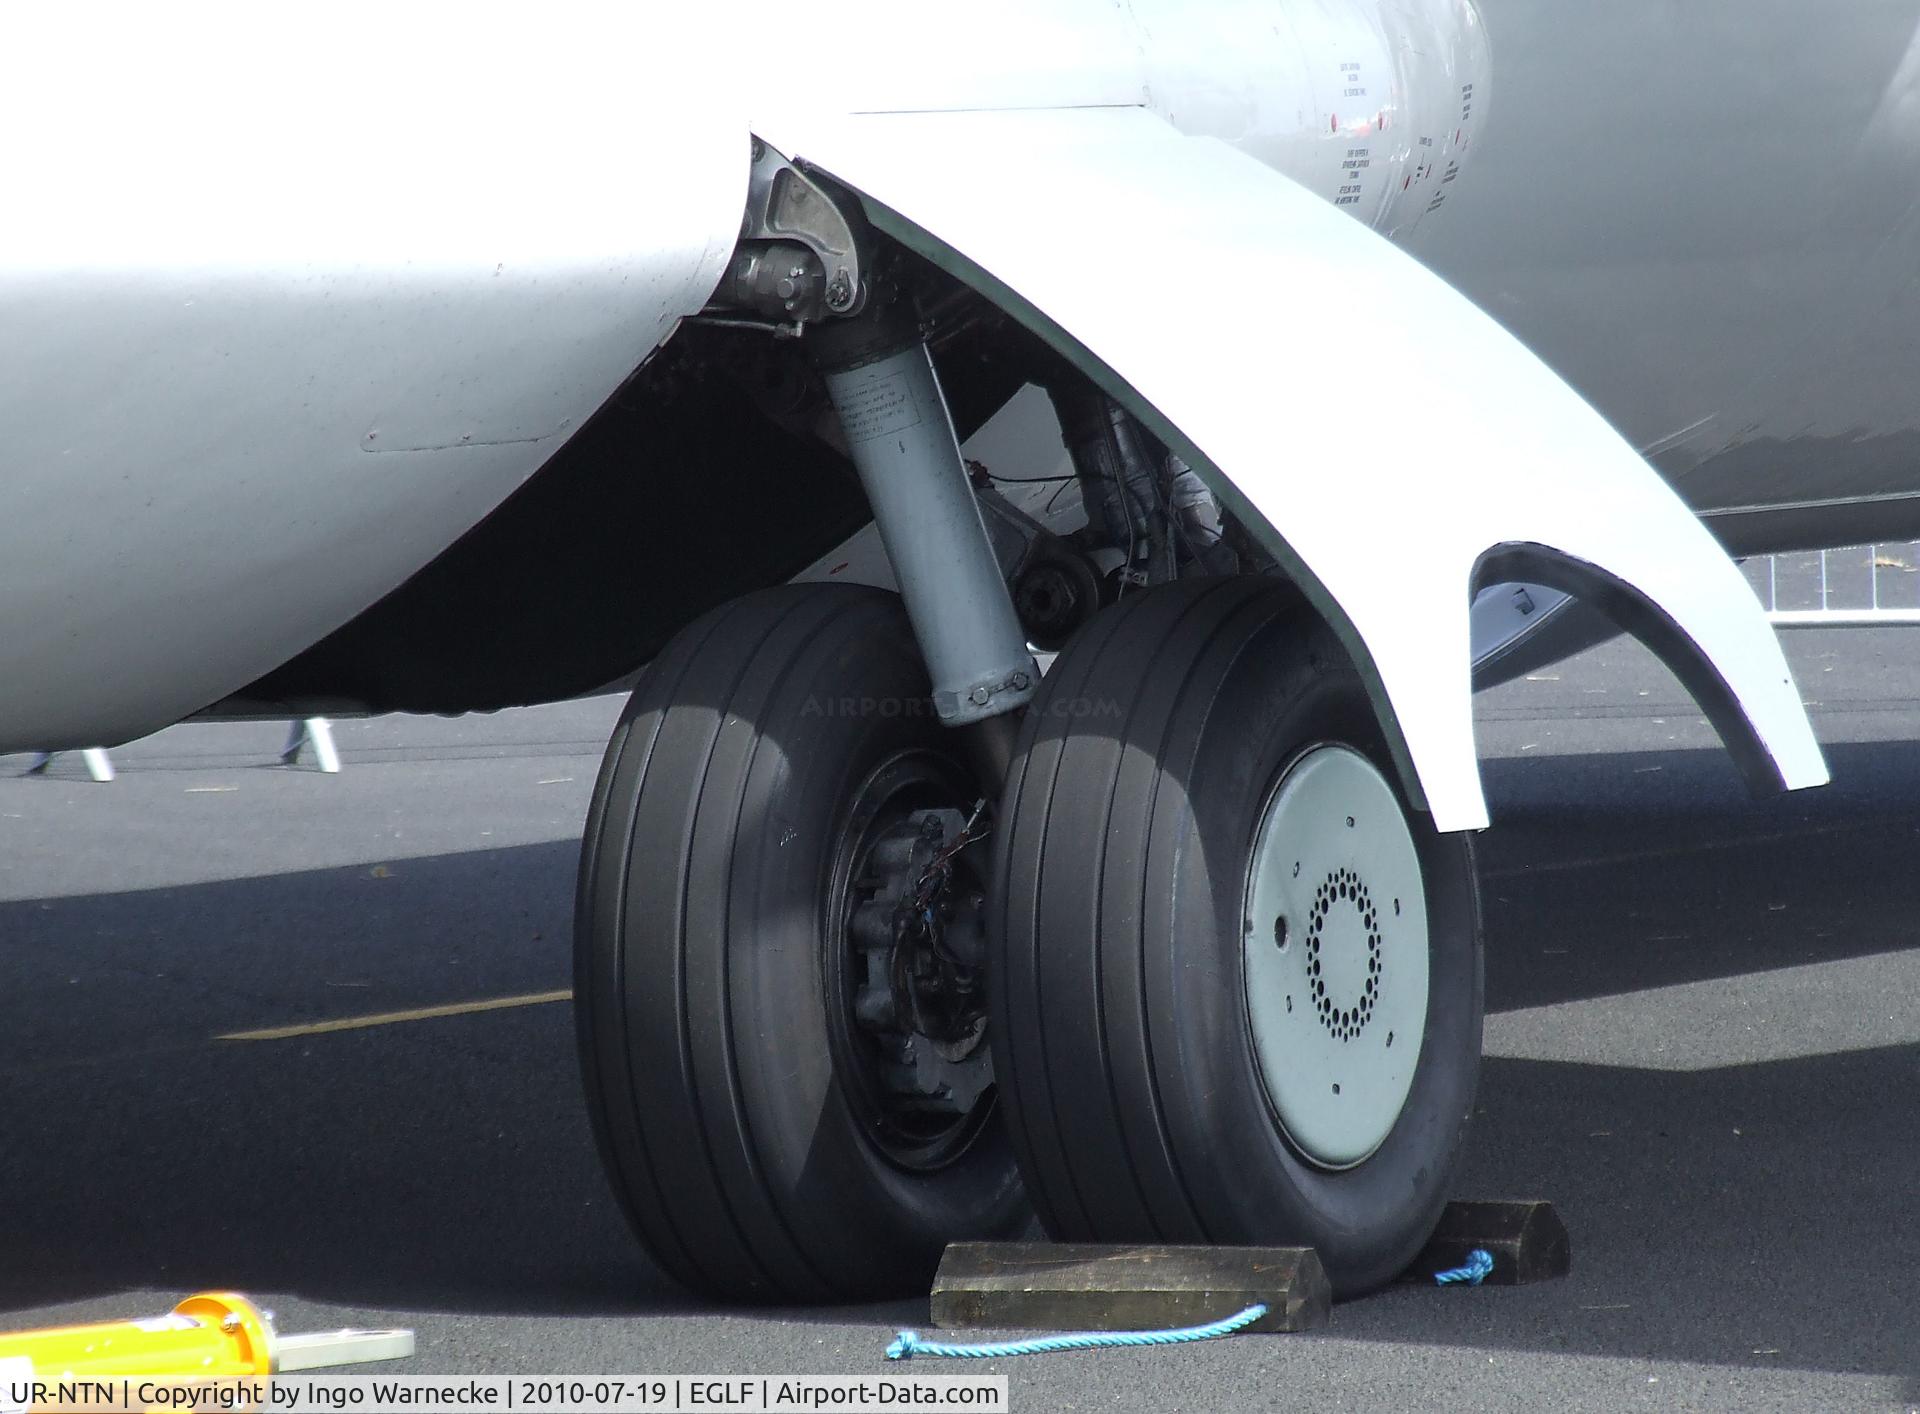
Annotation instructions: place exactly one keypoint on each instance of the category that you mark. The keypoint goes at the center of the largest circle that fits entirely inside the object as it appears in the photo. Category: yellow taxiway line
(389, 1018)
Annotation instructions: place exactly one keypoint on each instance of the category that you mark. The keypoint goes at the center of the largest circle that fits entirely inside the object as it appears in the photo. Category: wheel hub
(914, 982)
(1336, 955)
(1343, 953)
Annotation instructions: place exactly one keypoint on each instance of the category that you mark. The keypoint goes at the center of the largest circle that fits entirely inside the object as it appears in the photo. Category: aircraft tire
(742, 1114)
(1215, 919)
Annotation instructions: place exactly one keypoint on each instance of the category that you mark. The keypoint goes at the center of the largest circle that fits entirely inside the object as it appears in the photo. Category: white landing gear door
(1390, 443)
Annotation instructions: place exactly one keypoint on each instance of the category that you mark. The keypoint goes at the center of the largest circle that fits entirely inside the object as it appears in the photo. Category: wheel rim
(888, 1063)
(1336, 936)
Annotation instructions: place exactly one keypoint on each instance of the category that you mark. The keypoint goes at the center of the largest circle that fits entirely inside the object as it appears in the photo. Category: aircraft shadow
(448, 1164)
(1608, 874)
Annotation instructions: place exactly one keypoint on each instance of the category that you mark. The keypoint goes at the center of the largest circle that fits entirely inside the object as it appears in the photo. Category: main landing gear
(885, 941)
(1199, 975)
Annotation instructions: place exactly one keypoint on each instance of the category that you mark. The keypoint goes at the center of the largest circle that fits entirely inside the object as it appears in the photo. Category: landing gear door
(1390, 444)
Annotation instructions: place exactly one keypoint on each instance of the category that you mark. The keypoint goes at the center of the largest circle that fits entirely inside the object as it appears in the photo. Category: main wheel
(779, 938)
(1236, 980)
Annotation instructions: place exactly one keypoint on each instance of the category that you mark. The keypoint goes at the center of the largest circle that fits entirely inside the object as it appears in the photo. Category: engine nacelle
(1370, 103)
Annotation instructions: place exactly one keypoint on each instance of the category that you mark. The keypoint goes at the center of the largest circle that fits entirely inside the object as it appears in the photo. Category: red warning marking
(837, 568)
(1333, 125)
(1407, 183)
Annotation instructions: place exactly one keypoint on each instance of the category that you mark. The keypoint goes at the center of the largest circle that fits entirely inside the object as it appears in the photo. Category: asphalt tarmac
(1703, 1045)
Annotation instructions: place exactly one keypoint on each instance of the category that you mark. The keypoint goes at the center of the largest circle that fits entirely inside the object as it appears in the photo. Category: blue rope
(910, 1344)
(1479, 1266)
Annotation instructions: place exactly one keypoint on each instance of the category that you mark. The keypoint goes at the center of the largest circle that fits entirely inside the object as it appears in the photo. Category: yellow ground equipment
(211, 1336)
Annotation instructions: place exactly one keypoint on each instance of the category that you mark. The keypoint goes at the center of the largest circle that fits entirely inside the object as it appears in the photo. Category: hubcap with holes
(1336, 955)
